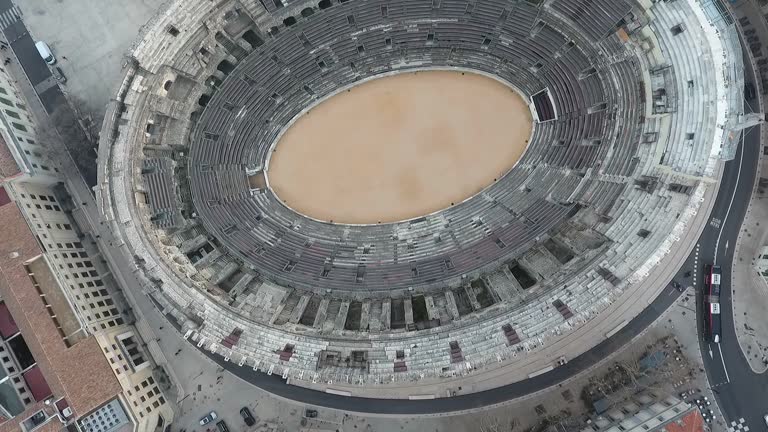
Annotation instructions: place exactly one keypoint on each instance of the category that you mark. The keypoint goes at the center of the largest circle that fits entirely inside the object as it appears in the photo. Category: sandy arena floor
(400, 147)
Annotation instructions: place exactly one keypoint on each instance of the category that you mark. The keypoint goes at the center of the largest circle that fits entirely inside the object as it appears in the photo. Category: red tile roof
(37, 384)
(4, 198)
(8, 165)
(8, 326)
(691, 422)
(80, 373)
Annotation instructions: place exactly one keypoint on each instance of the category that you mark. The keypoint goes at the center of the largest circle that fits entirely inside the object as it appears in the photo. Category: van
(45, 52)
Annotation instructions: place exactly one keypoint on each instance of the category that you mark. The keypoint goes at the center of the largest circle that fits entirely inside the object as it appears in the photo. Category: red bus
(712, 302)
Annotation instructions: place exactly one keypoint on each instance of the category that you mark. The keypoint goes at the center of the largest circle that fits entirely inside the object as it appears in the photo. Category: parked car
(310, 413)
(58, 75)
(222, 426)
(247, 417)
(765, 418)
(208, 418)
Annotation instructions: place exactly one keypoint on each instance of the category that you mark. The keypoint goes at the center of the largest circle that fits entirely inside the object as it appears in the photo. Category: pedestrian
(63, 57)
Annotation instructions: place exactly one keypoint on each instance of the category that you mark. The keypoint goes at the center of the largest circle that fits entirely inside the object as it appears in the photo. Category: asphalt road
(740, 392)
(49, 92)
(34, 67)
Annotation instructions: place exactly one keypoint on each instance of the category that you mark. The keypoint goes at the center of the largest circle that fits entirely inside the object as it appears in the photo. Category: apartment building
(648, 412)
(89, 304)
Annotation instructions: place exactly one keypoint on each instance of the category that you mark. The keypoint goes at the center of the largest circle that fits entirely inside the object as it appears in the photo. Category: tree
(64, 132)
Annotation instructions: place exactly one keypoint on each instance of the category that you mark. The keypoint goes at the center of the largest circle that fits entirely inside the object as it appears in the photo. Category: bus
(711, 306)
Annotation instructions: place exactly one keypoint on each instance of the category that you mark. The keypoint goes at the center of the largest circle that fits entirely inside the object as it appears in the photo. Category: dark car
(222, 426)
(247, 417)
(58, 75)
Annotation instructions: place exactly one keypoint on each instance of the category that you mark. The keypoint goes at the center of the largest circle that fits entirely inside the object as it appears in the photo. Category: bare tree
(648, 368)
(63, 131)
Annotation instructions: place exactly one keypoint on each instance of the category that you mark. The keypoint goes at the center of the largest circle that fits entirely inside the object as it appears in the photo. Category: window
(13, 114)
(19, 126)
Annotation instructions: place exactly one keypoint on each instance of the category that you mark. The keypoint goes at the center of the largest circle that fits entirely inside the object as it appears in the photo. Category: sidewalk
(749, 289)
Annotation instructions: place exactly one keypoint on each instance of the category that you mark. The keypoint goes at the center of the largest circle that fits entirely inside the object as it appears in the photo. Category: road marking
(725, 369)
(738, 426)
(715, 222)
(9, 16)
(710, 352)
(733, 195)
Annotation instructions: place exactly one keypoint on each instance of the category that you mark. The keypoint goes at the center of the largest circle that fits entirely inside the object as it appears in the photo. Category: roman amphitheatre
(414, 199)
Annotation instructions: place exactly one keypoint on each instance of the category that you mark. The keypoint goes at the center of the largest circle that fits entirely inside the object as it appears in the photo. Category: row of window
(81, 254)
(50, 198)
(52, 207)
(77, 264)
(154, 391)
(108, 324)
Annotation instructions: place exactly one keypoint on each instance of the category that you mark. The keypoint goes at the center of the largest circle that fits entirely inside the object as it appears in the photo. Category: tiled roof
(8, 166)
(80, 373)
(4, 198)
(691, 422)
(37, 383)
(8, 326)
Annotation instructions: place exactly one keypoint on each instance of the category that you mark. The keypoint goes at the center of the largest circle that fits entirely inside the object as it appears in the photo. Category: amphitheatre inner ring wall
(352, 188)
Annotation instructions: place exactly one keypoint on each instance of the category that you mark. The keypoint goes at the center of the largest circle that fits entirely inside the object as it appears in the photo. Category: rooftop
(691, 422)
(80, 373)
(8, 165)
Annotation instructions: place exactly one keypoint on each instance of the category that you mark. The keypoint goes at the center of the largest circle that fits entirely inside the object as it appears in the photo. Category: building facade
(32, 182)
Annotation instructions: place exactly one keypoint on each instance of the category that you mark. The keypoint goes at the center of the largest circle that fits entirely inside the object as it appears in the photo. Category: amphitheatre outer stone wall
(597, 192)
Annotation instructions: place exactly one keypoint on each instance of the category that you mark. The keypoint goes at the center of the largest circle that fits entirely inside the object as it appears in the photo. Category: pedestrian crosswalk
(9, 16)
(737, 426)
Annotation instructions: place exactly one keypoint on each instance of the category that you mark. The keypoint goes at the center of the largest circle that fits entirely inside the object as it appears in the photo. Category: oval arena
(589, 153)
(399, 147)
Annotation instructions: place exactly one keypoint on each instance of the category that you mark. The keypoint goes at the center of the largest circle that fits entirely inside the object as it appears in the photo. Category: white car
(765, 417)
(209, 418)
